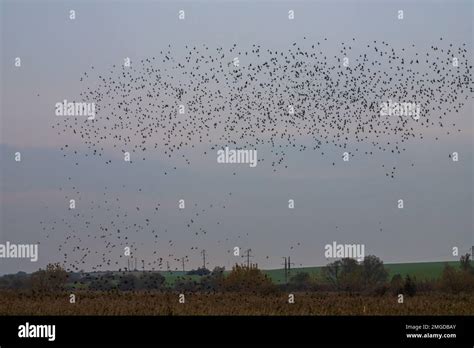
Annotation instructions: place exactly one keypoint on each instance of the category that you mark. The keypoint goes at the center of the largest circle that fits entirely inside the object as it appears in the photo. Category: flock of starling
(246, 105)
(96, 235)
(296, 99)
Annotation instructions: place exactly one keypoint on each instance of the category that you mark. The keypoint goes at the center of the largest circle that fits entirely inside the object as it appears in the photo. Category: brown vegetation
(156, 303)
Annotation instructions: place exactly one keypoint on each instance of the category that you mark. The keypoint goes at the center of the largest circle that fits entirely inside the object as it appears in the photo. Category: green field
(420, 270)
(173, 276)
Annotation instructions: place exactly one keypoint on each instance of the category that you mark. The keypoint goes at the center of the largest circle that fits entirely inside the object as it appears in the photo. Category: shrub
(456, 280)
(128, 282)
(396, 284)
(51, 279)
(409, 288)
(102, 284)
(465, 263)
(373, 271)
(151, 281)
(351, 276)
(301, 281)
(186, 285)
(248, 279)
(213, 281)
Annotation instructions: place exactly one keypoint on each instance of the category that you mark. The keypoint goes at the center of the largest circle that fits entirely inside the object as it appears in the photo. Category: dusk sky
(349, 202)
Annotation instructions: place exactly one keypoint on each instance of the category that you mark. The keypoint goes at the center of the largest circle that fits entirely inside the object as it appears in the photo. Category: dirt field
(154, 303)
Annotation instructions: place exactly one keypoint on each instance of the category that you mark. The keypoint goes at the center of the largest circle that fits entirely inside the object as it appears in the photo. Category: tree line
(346, 275)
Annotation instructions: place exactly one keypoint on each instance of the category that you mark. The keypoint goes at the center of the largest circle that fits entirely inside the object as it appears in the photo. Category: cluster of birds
(296, 99)
(293, 99)
(95, 236)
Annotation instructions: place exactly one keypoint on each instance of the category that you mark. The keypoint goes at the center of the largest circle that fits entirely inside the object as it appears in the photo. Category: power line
(248, 257)
(289, 265)
(203, 252)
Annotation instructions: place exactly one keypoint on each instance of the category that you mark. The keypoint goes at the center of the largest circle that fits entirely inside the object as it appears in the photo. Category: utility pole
(286, 269)
(182, 259)
(289, 265)
(248, 257)
(168, 266)
(203, 252)
(143, 265)
(128, 265)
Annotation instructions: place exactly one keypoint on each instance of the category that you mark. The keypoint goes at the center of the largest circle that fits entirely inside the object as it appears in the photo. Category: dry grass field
(155, 303)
